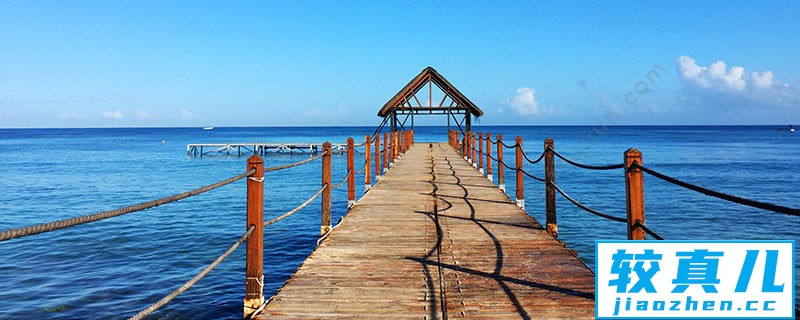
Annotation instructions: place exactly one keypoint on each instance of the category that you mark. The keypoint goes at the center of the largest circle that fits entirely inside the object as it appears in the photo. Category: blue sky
(174, 63)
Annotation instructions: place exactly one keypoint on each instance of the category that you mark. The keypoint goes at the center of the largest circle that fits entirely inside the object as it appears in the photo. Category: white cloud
(718, 84)
(717, 76)
(524, 102)
(762, 80)
(113, 114)
(71, 115)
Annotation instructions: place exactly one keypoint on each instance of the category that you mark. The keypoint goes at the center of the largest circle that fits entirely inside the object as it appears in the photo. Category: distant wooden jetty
(259, 148)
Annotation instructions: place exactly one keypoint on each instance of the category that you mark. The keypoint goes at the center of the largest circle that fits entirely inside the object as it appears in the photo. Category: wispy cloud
(187, 114)
(325, 113)
(143, 114)
(71, 115)
(717, 83)
(113, 114)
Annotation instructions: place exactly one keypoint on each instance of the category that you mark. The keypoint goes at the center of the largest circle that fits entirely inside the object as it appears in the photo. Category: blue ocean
(113, 268)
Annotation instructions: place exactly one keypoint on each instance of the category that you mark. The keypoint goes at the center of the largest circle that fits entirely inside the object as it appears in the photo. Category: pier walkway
(435, 239)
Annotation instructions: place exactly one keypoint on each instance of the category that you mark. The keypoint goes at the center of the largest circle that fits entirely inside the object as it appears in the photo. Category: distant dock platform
(259, 148)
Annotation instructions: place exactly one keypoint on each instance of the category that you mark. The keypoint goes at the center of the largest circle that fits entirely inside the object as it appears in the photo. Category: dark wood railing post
(325, 225)
(464, 145)
(367, 164)
(520, 180)
(377, 157)
(473, 143)
(351, 173)
(634, 194)
(399, 144)
(393, 148)
(488, 154)
(403, 140)
(550, 190)
(254, 274)
(501, 180)
(480, 152)
(385, 152)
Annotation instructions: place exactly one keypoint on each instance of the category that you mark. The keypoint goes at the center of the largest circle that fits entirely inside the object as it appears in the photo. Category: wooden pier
(259, 148)
(435, 239)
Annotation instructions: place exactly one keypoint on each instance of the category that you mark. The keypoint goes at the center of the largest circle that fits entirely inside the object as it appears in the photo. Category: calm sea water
(113, 268)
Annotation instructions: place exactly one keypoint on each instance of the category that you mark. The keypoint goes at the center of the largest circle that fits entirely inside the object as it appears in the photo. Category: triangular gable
(406, 98)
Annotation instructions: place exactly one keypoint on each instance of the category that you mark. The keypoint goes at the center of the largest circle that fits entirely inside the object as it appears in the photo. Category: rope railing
(163, 301)
(341, 183)
(509, 146)
(296, 209)
(188, 284)
(586, 166)
(400, 142)
(472, 148)
(541, 156)
(299, 163)
(71, 222)
(720, 195)
(649, 231)
(585, 208)
(532, 176)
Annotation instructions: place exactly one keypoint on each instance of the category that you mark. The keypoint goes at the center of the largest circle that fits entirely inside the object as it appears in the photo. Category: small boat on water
(208, 128)
(791, 129)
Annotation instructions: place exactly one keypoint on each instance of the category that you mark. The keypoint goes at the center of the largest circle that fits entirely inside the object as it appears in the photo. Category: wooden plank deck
(477, 255)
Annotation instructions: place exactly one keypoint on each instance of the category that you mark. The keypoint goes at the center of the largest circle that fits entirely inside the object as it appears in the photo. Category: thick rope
(71, 222)
(532, 176)
(505, 165)
(720, 195)
(338, 185)
(194, 279)
(510, 146)
(648, 230)
(541, 156)
(585, 208)
(298, 208)
(366, 164)
(586, 166)
(291, 165)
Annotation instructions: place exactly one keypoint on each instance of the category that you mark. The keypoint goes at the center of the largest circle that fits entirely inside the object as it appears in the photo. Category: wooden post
(254, 274)
(377, 157)
(392, 147)
(325, 225)
(463, 141)
(367, 164)
(501, 181)
(473, 141)
(480, 153)
(550, 190)
(520, 180)
(351, 173)
(399, 143)
(634, 194)
(385, 152)
(489, 160)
